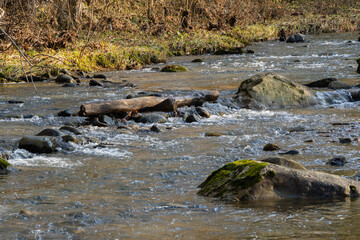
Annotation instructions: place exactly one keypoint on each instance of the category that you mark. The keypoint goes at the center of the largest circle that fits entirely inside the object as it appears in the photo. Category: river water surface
(143, 185)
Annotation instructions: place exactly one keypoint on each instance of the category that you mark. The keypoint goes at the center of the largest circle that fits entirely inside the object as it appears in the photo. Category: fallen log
(144, 104)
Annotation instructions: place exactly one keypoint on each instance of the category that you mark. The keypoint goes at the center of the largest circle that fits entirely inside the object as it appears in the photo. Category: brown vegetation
(98, 27)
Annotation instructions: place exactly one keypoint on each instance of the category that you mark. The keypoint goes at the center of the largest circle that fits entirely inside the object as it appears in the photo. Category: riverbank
(132, 48)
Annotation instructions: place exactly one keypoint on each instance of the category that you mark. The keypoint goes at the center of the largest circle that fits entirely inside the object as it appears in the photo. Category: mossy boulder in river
(38, 144)
(256, 180)
(271, 90)
(173, 68)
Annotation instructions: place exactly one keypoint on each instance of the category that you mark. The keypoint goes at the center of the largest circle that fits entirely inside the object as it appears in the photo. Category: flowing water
(143, 185)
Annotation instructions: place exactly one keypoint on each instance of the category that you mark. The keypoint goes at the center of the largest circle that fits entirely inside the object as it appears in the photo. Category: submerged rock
(49, 132)
(273, 91)
(235, 50)
(255, 180)
(152, 118)
(198, 60)
(38, 144)
(94, 83)
(337, 161)
(173, 68)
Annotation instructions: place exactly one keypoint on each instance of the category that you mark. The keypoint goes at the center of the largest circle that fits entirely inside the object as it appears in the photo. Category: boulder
(38, 144)
(70, 129)
(284, 162)
(173, 68)
(234, 50)
(338, 161)
(273, 91)
(192, 118)
(256, 180)
(323, 83)
(64, 78)
(203, 112)
(94, 83)
(198, 60)
(271, 147)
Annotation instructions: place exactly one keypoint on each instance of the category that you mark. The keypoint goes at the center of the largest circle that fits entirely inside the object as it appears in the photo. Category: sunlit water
(143, 185)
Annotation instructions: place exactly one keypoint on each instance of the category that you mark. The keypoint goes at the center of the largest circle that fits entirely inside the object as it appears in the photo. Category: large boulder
(254, 180)
(38, 144)
(273, 91)
(322, 83)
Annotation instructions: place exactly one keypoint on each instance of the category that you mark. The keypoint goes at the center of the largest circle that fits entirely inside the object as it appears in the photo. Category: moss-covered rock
(4, 164)
(240, 175)
(173, 68)
(255, 180)
(271, 90)
(234, 50)
(198, 60)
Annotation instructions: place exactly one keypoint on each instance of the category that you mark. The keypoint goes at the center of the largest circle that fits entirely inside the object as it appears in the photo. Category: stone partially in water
(71, 129)
(323, 83)
(339, 85)
(197, 60)
(173, 68)
(255, 180)
(37, 144)
(337, 161)
(203, 112)
(152, 118)
(49, 132)
(4, 164)
(64, 78)
(273, 91)
(296, 38)
(94, 83)
(271, 147)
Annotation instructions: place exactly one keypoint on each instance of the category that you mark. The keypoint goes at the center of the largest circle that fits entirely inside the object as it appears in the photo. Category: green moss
(173, 68)
(4, 164)
(240, 174)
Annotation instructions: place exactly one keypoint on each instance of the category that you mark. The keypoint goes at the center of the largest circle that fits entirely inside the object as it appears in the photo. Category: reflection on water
(143, 185)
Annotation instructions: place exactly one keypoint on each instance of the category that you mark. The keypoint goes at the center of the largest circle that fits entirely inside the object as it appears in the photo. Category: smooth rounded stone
(125, 131)
(309, 141)
(64, 78)
(173, 68)
(94, 83)
(155, 128)
(65, 113)
(344, 140)
(69, 138)
(69, 85)
(192, 118)
(297, 129)
(337, 161)
(106, 120)
(50, 132)
(4, 164)
(100, 75)
(323, 83)
(271, 147)
(284, 162)
(71, 129)
(234, 50)
(197, 60)
(249, 51)
(203, 112)
(271, 90)
(37, 144)
(296, 38)
(213, 134)
(339, 85)
(15, 102)
(246, 180)
(152, 118)
(290, 152)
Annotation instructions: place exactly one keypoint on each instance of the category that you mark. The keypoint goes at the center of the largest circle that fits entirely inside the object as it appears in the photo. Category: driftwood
(144, 104)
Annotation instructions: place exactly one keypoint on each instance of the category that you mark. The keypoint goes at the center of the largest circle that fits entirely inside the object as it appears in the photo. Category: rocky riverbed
(129, 178)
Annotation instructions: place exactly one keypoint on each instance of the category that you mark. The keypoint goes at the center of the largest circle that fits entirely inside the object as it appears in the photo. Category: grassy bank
(100, 40)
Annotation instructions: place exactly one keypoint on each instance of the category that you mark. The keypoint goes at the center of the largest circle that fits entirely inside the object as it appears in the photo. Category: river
(143, 185)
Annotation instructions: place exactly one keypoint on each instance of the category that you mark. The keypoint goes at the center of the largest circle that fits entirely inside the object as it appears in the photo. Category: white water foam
(45, 161)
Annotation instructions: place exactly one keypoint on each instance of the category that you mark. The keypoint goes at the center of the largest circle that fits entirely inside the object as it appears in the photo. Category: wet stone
(213, 134)
(152, 118)
(290, 152)
(337, 161)
(203, 112)
(69, 85)
(323, 83)
(102, 76)
(271, 147)
(344, 140)
(94, 83)
(155, 128)
(65, 113)
(198, 60)
(64, 78)
(71, 129)
(192, 118)
(37, 144)
(107, 120)
(49, 132)
(15, 102)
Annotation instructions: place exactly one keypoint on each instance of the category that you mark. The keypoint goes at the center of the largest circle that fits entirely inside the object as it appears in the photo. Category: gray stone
(152, 118)
(290, 152)
(71, 129)
(94, 83)
(192, 118)
(65, 113)
(337, 161)
(64, 78)
(273, 91)
(38, 144)
(203, 112)
(284, 162)
(271, 147)
(254, 180)
(49, 132)
(107, 120)
(339, 85)
(323, 83)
